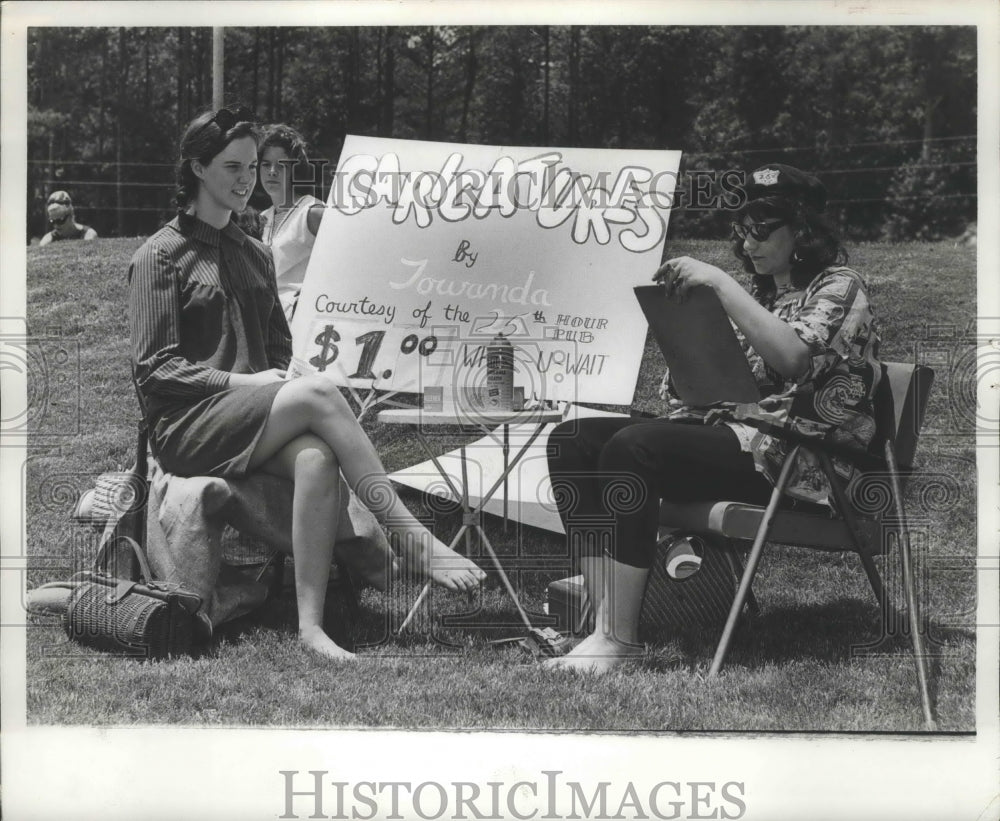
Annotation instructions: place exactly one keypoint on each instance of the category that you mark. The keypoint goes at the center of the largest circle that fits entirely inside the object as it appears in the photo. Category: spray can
(500, 374)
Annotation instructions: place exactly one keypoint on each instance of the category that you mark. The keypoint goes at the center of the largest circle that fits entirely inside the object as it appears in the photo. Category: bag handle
(188, 600)
(145, 574)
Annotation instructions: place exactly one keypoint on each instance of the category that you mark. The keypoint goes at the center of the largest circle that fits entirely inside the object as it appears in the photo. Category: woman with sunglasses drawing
(810, 337)
(210, 345)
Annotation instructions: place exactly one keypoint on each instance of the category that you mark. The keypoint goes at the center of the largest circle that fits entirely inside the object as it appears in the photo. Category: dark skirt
(215, 436)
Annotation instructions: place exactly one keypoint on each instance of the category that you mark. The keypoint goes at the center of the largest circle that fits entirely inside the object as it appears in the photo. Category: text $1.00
(370, 343)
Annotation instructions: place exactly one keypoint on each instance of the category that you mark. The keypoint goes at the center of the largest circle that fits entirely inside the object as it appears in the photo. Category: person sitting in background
(63, 221)
(290, 224)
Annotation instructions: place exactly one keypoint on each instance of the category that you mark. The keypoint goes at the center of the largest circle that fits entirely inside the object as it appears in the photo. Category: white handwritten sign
(428, 250)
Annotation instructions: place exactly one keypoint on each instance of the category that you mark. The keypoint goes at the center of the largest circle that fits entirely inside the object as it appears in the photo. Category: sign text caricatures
(429, 250)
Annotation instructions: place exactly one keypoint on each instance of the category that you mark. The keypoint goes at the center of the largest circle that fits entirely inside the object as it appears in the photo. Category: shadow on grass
(279, 614)
(370, 622)
(834, 631)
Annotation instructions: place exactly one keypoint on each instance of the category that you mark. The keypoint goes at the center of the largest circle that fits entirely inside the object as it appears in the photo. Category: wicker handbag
(141, 618)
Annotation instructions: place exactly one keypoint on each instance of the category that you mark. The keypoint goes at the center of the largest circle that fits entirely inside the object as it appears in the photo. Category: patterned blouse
(834, 318)
(202, 304)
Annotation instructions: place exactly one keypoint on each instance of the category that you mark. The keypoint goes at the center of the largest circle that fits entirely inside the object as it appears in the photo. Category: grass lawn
(799, 666)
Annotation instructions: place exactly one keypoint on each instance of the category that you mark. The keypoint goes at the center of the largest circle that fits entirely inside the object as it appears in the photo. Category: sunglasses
(61, 221)
(760, 231)
(226, 118)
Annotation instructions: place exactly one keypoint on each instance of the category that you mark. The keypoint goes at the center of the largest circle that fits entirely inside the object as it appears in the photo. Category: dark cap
(777, 180)
(60, 198)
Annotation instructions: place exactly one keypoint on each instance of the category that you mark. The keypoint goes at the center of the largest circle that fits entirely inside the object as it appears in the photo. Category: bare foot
(444, 566)
(368, 562)
(319, 642)
(597, 654)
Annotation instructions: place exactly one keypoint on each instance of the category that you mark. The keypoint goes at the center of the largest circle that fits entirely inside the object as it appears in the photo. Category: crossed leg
(312, 466)
(310, 422)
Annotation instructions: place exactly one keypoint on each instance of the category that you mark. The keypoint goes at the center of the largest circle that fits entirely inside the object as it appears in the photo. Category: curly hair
(279, 135)
(203, 139)
(816, 243)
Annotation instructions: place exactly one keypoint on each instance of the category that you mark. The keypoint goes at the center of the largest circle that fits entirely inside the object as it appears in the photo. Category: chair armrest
(813, 438)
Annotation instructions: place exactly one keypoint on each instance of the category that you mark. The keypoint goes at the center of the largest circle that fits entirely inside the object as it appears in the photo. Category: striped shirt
(202, 304)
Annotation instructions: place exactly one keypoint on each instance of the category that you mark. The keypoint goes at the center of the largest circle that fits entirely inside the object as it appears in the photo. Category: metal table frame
(472, 515)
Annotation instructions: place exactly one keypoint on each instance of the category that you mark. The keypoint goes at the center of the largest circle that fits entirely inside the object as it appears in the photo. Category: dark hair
(279, 135)
(203, 139)
(816, 245)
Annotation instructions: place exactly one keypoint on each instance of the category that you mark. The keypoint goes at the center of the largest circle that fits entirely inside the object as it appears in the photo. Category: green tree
(883, 114)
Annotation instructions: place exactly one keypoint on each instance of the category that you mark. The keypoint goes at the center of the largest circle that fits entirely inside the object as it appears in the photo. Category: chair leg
(919, 656)
(736, 565)
(746, 581)
(860, 545)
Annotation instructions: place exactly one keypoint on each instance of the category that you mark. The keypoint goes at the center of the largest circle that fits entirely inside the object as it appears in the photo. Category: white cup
(683, 558)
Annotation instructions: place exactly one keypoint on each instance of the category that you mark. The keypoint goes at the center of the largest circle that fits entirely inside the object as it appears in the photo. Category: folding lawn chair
(899, 406)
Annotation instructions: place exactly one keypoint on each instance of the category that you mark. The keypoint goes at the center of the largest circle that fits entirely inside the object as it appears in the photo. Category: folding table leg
(752, 561)
(414, 607)
(426, 589)
(506, 581)
(466, 530)
(461, 496)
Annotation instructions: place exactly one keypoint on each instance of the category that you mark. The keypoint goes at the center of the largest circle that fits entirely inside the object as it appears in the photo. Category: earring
(796, 257)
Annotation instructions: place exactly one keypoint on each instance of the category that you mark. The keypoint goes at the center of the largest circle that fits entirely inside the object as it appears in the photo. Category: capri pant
(615, 471)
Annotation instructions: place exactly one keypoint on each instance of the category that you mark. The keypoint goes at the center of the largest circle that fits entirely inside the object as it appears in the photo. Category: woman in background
(291, 223)
(210, 345)
(62, 220)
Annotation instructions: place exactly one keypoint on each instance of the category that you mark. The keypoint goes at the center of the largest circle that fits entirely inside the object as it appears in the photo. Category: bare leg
(314, 405)
(315, 510)
(592, 568)
(616, 634)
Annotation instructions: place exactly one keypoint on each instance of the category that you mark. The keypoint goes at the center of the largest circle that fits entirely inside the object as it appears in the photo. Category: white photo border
(179, 773)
